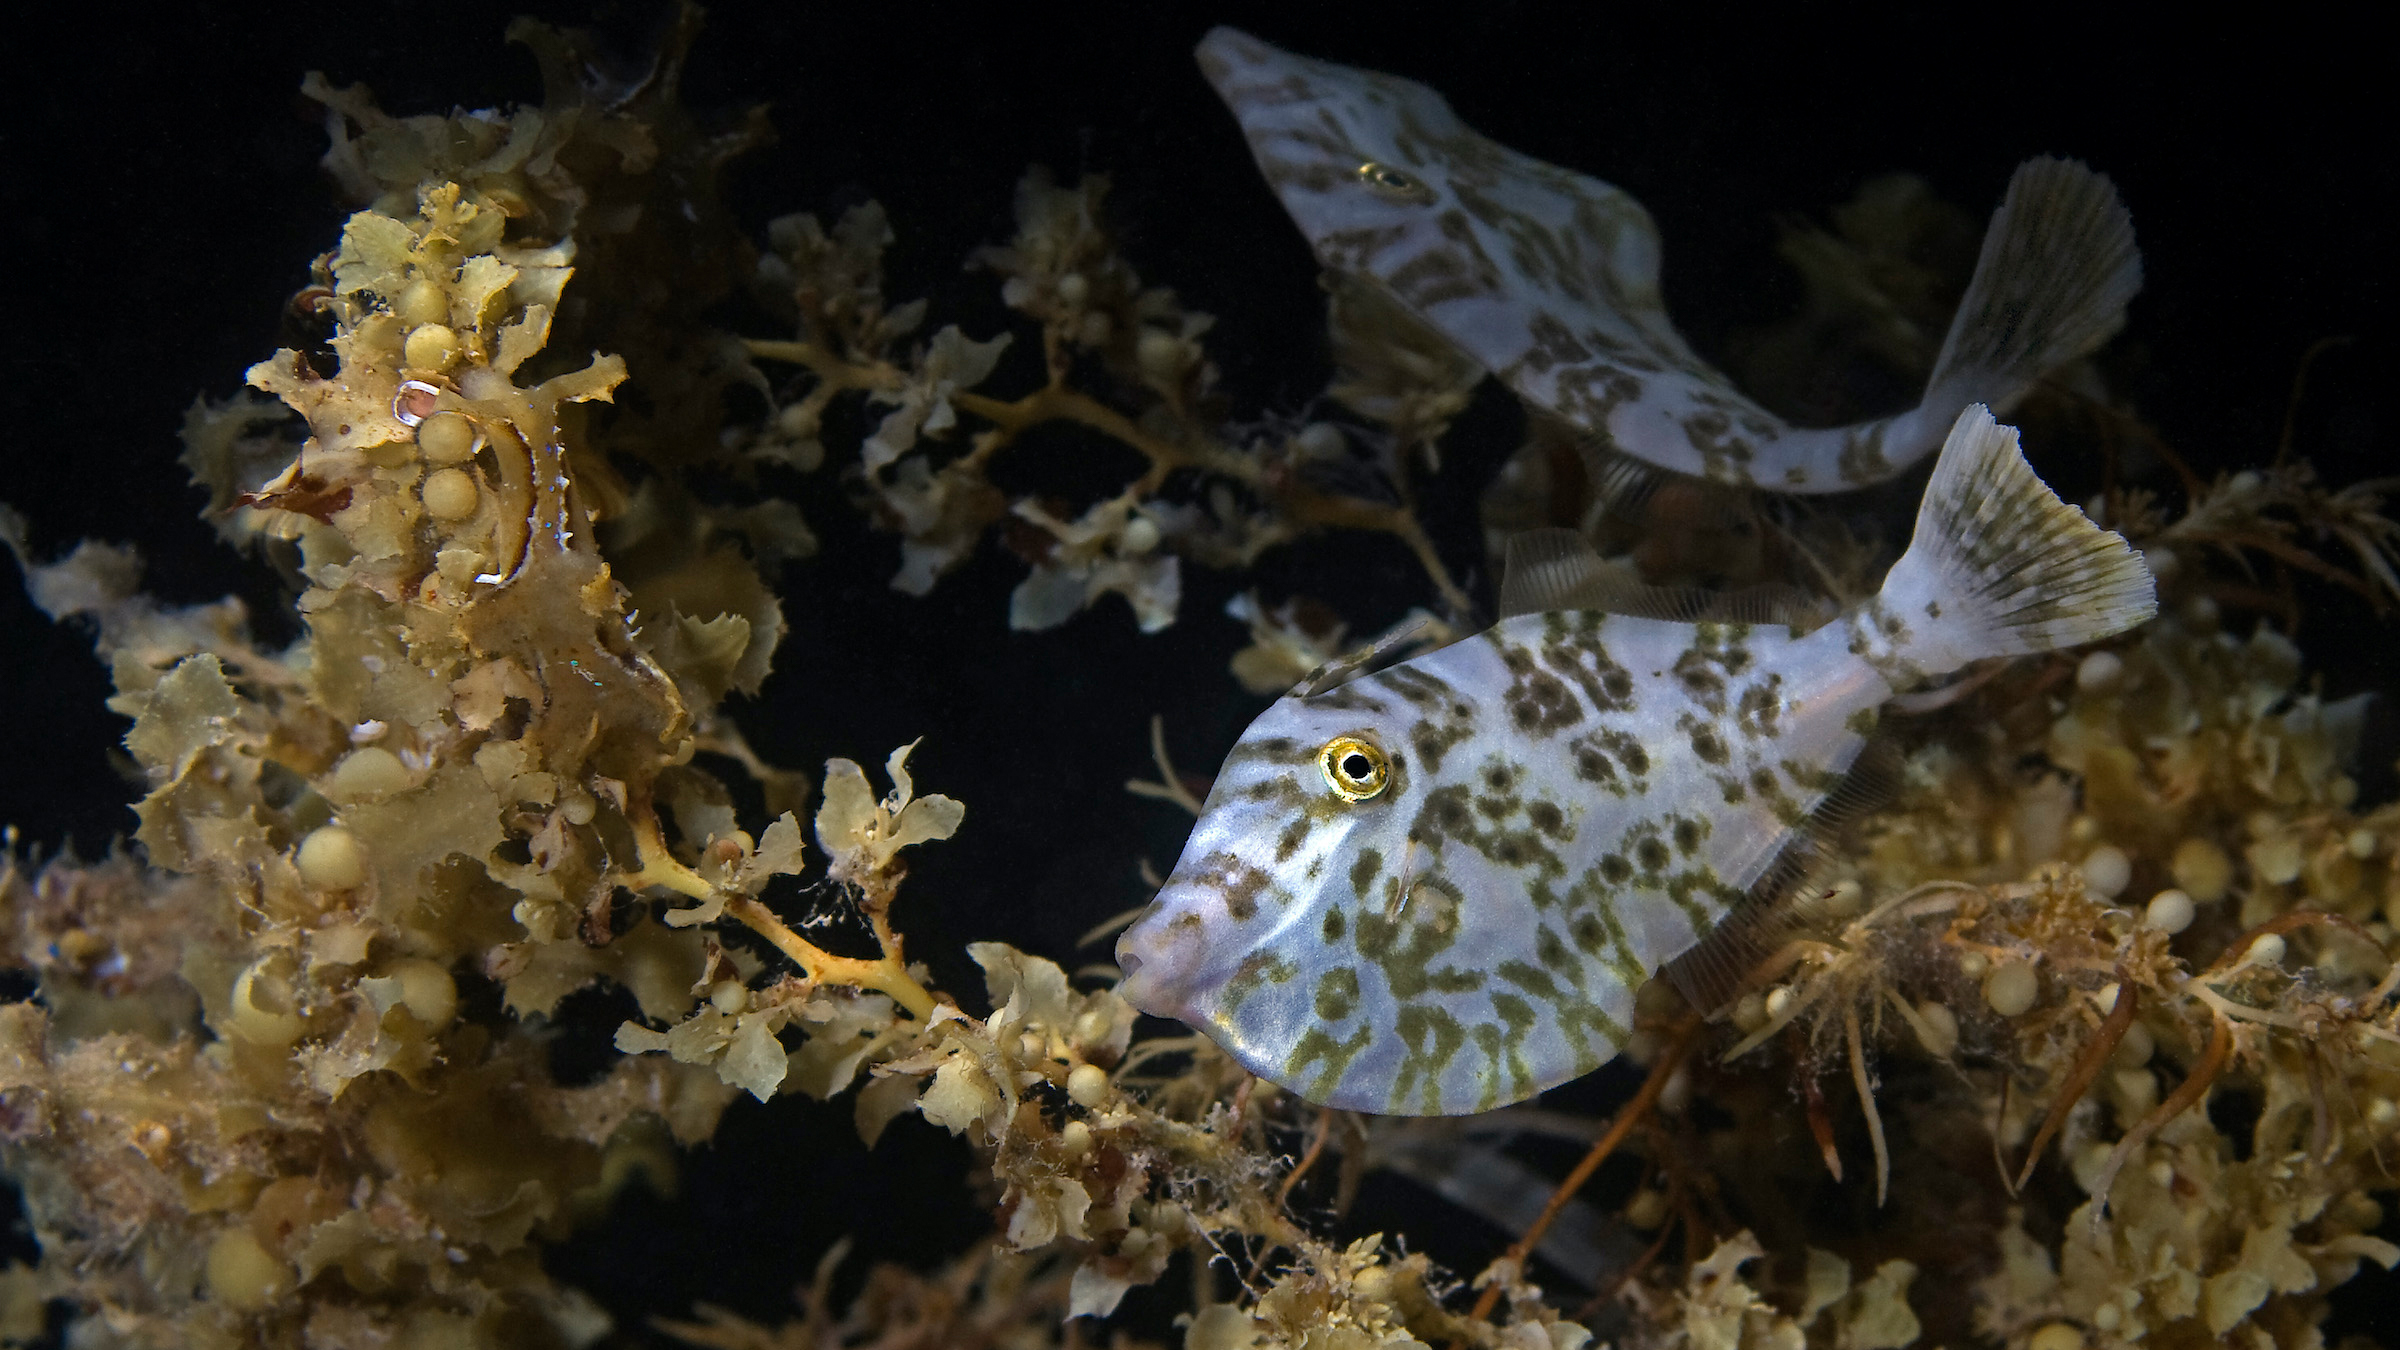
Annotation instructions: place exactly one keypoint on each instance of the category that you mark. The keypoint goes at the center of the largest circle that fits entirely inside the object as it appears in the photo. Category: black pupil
(1356, 766)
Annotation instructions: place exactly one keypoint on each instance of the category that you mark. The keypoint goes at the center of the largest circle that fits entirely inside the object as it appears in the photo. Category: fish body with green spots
(1435, 888)
(1549, 278)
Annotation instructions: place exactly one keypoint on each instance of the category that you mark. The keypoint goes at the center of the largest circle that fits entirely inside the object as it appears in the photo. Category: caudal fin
(1999, 566)
(2057, 269)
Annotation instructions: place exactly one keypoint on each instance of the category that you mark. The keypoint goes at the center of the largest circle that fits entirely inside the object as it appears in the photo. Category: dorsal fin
(1620, 485)
(1554, 569)
(1769, 602)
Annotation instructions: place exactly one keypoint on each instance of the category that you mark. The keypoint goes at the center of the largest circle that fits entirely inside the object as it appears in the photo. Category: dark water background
(162, 201)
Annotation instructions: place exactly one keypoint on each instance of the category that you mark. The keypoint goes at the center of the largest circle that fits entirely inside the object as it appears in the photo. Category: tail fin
(2057, 268)
(1999, 567)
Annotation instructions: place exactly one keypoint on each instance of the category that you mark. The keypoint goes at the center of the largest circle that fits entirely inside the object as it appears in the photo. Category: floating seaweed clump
(286, 1078)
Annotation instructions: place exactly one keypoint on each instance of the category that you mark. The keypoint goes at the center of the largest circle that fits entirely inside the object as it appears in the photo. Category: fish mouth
(1145, 984)
(1167, 960)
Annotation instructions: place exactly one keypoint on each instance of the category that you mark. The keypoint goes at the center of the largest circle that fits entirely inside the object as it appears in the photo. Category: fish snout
(1163, 955)
(1145, 967)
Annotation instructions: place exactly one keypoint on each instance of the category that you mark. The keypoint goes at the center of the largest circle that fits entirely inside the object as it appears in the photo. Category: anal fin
(1779, 905)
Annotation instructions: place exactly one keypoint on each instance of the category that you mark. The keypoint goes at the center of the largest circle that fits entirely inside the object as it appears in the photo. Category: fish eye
(1391, 182)
(1356, 770)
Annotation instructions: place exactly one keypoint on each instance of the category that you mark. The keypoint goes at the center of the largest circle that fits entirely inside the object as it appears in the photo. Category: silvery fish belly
(1435, 888)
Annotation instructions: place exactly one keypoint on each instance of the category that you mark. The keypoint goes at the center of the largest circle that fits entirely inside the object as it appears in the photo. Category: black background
(163, 201)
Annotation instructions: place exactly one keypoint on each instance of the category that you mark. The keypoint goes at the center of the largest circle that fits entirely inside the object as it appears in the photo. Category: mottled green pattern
(1562, 805)
(1550, 278)
(1534, 858)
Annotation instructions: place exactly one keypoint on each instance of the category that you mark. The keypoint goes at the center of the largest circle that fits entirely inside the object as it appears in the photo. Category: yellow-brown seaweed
(261, 1098)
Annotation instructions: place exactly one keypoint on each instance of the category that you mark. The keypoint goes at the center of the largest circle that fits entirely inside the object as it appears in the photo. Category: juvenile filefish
(1549, 278)
(1434, 888)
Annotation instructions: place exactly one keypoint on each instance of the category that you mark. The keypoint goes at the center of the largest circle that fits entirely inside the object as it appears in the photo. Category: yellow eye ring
(1391, 182)
(1356, 770)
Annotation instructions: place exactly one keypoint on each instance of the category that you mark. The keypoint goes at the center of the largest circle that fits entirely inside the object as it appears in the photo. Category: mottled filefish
(1434, 888)
(1549, 278)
